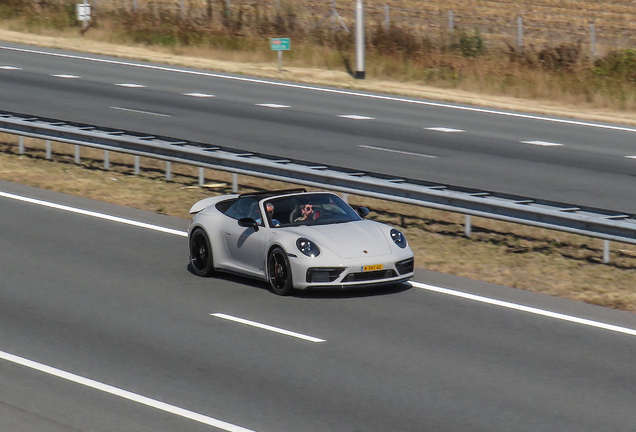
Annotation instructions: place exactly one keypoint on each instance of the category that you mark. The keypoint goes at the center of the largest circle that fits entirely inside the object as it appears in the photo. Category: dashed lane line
(356, 117)
(397, 151)
(140, 112)
(131, 85)
(267, 327)
(66, 76)
(542, 143)
(444, 129)
(199, 95)
(272, 105)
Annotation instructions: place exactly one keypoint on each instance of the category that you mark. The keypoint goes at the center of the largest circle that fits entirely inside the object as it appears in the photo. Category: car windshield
(309, 209)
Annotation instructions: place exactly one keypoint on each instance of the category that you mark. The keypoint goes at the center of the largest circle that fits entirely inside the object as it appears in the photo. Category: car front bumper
(353, 273)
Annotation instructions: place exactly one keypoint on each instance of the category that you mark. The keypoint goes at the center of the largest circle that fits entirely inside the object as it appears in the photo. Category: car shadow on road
(321, 293)
(352, 292)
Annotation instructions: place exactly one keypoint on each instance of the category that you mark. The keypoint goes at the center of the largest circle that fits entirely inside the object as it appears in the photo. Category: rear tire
(279, 272)
(201, 253)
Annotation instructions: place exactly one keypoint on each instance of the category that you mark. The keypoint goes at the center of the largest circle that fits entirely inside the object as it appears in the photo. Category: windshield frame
(327, 205)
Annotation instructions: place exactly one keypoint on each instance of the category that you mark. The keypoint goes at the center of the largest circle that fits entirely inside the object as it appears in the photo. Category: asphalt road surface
(581, 163)
(103, 328)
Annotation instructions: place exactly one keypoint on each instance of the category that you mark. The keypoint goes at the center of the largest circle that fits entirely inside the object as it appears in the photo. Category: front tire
(279, 272)
(201, 253)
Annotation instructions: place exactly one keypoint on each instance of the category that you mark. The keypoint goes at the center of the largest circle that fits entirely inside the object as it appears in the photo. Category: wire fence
(601, 26)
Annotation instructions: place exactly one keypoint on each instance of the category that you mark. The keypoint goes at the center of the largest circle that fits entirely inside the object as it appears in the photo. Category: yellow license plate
(372, 267)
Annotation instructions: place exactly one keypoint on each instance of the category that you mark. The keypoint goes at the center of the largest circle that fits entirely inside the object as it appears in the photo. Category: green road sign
(280, 44)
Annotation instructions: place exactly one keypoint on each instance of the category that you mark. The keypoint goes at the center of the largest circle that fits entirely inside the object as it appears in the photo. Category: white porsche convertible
(295, 239)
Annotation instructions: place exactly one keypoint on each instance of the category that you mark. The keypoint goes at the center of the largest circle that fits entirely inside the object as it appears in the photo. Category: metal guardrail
(592, 222)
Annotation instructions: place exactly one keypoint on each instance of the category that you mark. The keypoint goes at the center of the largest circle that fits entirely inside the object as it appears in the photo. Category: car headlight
(398, 238)
(307, 247)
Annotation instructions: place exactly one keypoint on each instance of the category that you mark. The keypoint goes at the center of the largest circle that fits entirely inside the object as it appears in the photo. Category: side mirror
(248, 223)
(363, 212)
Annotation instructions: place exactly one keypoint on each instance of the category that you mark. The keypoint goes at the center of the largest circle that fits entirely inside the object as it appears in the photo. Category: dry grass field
(544, 21)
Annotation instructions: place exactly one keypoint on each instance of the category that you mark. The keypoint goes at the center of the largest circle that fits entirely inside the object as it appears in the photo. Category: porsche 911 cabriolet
(295, 239)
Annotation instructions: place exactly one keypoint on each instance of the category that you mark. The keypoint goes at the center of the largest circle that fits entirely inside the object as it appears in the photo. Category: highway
(577, 162)
(103, 328)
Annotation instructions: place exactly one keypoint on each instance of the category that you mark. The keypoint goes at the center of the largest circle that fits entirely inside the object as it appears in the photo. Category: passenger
(269, 209)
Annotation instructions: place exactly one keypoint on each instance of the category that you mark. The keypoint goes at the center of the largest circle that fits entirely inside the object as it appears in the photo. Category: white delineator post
(83, 11)
(359, 39)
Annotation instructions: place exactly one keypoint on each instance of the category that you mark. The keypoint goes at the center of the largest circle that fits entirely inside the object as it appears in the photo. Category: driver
(306, 213)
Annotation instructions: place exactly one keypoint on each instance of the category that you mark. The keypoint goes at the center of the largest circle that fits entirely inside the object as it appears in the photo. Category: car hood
(349, 239)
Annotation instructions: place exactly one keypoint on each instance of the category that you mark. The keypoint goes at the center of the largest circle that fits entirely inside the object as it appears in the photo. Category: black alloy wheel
(279, 272)
(201, 253)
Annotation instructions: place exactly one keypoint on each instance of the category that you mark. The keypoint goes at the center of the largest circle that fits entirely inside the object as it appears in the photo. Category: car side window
(247, 208)
(225, 206)
(231, 210)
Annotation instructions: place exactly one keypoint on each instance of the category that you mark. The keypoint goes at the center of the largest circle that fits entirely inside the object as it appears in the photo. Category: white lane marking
(536, 311)
(356, 117)
(131, 85)
(631, 157)
(326, 90)
(65, 76)
(397, 151)
(199, 95)
(444, 129)
(542, 143)
(200, 418)
(272, 105)
(10, 68)
(141, 112)
(420, 285)
(267, 327)
(94, 214)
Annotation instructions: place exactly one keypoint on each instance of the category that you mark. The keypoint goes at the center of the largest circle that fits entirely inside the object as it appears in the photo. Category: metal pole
(520, 34)
(168, 171)
(77, 154)
(234, 183)
(201, 176)
(468, 227)
(135, 6)
(451, 24)
(136, 165)
(387, 23)
(345, 197)
(606, 251)
(333, 16)
(593, 41)
(280, 60)
(106, 160)
(48, 149)
(359, 39)
(21, 144)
